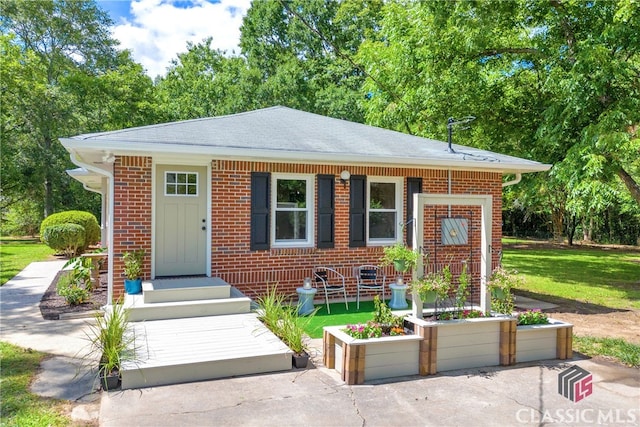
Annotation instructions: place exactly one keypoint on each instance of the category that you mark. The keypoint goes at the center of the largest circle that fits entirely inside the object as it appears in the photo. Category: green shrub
(21, 219)
(68, 238)
(85, 219)
(72, 291)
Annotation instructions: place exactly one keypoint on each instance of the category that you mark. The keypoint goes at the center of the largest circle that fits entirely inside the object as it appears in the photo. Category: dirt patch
(53, 305)
(619, 324)
(592, 319)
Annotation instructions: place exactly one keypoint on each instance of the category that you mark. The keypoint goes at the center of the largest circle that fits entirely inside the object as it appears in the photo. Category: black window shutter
(414, 185)
(326, 210)
(357, 210)
(260, 224)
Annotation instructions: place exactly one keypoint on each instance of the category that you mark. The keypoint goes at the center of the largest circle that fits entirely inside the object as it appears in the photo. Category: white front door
(181, 220)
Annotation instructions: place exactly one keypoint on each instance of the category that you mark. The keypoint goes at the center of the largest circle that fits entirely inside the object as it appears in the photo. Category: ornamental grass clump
(284, 320)
(533, 317)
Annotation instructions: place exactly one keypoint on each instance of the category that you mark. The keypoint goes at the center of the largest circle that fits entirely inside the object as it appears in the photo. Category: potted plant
(133, 271)
(286, 323)
(433, 286)
(292, 333)
(111, 339)
(400, 256)
(500, 284)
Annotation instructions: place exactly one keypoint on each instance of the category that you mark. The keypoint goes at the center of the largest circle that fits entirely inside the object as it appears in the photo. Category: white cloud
(158, 30)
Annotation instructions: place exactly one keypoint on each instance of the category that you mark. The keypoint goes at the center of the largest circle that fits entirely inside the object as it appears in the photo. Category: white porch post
(486, 231)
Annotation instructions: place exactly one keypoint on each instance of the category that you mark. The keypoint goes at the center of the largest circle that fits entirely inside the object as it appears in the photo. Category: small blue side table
(305, 300)
(398, 299)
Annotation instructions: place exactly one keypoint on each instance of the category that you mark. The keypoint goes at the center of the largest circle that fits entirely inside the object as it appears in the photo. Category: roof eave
(134, 148)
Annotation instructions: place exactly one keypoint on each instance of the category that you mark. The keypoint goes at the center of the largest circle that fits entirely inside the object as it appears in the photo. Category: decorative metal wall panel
(455, 231)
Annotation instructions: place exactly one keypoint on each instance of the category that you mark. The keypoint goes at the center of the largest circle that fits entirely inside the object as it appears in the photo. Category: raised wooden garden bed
(360, 360)
(443, 346)
(539, 342)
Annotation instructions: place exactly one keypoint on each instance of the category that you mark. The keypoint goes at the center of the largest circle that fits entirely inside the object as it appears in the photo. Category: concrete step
(185, 289)
(184, 350)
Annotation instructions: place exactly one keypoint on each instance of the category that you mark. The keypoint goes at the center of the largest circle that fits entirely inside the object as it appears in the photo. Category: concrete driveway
(526, 394)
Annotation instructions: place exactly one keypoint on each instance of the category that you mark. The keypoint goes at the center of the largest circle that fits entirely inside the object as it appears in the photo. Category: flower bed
(444, 345)
(359, 360)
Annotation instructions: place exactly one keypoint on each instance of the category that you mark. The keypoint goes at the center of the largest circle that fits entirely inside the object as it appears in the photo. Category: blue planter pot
(133, 287)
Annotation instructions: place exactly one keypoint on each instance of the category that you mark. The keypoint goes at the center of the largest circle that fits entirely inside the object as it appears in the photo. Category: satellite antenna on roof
(461, 124)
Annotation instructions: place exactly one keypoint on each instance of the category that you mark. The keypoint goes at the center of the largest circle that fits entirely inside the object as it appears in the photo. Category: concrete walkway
(526, 394)
(70, 373)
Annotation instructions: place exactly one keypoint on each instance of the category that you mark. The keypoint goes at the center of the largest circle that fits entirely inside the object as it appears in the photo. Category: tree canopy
(61, 75)
(556, 81)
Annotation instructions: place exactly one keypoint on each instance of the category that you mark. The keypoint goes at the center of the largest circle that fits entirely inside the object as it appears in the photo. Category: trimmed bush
(67, 238)
(85, 219)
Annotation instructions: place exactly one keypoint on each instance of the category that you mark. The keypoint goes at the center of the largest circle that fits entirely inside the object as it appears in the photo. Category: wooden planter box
(468, 343)
(539, 342)
(444, 346)
(360, 360)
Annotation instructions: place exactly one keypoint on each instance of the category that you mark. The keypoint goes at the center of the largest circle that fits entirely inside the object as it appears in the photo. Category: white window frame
(399, 183)
(187, 173)
(310, 209)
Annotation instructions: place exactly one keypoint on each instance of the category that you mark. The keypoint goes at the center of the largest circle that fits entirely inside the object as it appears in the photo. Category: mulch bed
(53, 305)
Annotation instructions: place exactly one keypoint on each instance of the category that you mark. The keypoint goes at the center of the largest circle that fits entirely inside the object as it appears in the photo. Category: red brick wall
(252, 272)
(132, 215)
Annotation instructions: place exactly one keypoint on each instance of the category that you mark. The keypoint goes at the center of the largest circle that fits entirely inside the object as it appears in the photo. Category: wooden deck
(201, 348)
(197, 329)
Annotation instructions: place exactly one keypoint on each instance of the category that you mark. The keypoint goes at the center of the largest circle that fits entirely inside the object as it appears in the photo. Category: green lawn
(627, 353)
(18, 406)
(17, 254)
(608, 278)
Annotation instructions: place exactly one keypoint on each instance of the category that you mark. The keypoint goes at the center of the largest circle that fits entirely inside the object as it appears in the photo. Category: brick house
(264, 196)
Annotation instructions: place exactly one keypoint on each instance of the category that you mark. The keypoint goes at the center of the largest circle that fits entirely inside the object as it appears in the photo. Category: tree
(302, 51)
(57, 41)
(557, 82)
(203, 82)
(61, 75)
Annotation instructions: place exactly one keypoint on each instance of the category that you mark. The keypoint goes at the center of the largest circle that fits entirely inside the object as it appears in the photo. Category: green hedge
(68, 238)
(85, 219)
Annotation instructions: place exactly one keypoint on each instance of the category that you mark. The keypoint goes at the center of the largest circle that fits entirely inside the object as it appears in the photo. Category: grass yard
(16, 254)
(605, 277)
(627, 353)
(18, 406)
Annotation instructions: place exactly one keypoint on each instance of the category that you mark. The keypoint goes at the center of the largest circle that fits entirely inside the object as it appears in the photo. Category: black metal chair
(369, 277)
(332, 283)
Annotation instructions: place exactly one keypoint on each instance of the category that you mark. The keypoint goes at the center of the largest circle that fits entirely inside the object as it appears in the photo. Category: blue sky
(157, 30)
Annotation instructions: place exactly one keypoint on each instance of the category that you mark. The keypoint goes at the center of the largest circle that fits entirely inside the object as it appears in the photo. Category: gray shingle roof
(292, 135)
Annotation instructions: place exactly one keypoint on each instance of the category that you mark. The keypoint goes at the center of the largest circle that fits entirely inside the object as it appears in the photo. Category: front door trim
(154, 200)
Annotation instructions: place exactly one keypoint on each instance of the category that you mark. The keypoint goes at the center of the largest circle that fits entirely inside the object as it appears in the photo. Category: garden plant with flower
(500, 285)
(465, 314)
(533, 317)
(364, 331)
(384, 323)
